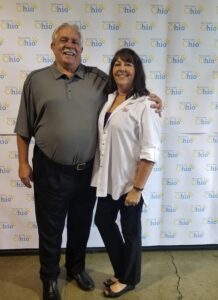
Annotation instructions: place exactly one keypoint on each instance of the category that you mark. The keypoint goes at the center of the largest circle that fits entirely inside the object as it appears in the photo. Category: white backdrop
(178, 43)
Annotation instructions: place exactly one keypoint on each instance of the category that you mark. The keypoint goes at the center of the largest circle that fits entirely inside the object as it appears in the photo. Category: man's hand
(133, 197)
(26, 174)
(157, 103)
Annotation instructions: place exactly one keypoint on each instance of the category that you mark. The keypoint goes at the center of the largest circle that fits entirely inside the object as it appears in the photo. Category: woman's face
(123, 73)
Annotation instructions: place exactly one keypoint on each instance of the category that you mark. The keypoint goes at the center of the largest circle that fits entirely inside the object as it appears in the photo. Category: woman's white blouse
(132, 132)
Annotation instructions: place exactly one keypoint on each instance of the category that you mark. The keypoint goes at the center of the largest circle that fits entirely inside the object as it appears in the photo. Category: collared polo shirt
(62, 113)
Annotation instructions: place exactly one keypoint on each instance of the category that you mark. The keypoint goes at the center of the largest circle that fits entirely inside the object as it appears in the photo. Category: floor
(166, 275)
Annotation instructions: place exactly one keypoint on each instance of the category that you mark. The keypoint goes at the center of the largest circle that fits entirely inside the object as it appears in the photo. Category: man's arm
(25, 171)
(157, 103)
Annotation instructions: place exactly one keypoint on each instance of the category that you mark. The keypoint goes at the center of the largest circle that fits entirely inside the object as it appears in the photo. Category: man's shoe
(50, 290)
(83, 280)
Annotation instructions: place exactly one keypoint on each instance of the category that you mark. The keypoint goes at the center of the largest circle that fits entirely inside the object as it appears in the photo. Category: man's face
(66, 48)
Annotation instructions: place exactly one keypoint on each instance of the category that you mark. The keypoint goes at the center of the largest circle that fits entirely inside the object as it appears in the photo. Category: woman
(129, 139)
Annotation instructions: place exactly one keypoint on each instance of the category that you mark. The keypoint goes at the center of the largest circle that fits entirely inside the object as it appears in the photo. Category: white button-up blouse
(131, 133)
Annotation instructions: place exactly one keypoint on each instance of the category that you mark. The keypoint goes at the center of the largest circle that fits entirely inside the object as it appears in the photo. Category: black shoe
(83, 280)
(108, 293)
(50, 290)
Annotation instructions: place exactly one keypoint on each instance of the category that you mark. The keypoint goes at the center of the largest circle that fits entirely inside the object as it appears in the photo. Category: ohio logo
(32, 225)
(94, 8)
(199, 181)
(214, 105)
(183, 195)
(107, 59)
(186, 139)
(3, 74)
(159, 9)
(22, 238)
(184, 167)
(196, 234)
(191, 43)
(13, 155)
(168, 208)
(212, 139)
(145, 26)
(6, 225)
(170, 181)
(189, 75)
(4, 140)
(157, 169)
(44, 24)
(44, 58)
(167, 235)
(20, 211)
(159, 43)
(17, 184)
(153, 222)
(203, 121)
(5, 170)
(94, 42)
(13, 90)
(85, 58)
(26, 7)
(205, 90)
(193, 9)
(127, 8)
(212, 167)
(24, 74)
(158, 75)
(188, 106)
(182, 221)
(83, 25)
(6, 198)
(11, 58)
(209, 26)
(29, 197)
(4, 106)
(27, 41)
(201, 153)
(177, 26)
(210, 221)
(198, 208)
(127, 42)
(173, 121)
(1, 41)
(10, 24)
(174, 90)
(60, 7)
(156, 195)
(111, 26)
(171, 153)
(175, 59)
(213, 195)
(146, 59)
(207, 59)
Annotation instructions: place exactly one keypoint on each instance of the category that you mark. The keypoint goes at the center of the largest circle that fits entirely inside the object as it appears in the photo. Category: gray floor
(166, 275)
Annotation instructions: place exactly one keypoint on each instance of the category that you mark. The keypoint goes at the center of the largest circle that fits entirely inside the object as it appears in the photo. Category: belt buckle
(80, 167)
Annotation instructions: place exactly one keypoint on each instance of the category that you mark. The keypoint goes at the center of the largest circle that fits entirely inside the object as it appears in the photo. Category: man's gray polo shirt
(61, 113)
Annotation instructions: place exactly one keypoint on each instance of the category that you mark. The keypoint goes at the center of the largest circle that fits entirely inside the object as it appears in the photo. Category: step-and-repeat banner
(178, 44)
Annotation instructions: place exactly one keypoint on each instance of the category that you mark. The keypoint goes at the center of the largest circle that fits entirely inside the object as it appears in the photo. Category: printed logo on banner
(158, 75)
(170, 181)
(153, 222)
(184, 195)
(44, 58)
(193, 9)
(3, 74)
(216, 43)
(159, 43)
(85, 58)
(205, 90)
(127, 42)
(212, 139)
(11, 122)
(94, 42)
(186, 139)
(201, 153)
(24, 74)
(212, 167)
(146, 59)
(189, 75)
(177, 26)
(5, 169)
(174, 90)
(21, 212)
(199, 181)
(44, 24)
(32, 225)
(4, 140)
(6, 198)
(196, 234)
(211, 195)
(26, 7)
(22, 237)
(144, 25)
(157, 169)
(204, 121)
(176, 59)
(4, 105)
(168, 208)
(167, 234)
(214, 105)
(29, 197)
(1, 41)
(16, 183)
(107, 58)
(209, 26)
(127, 8)
(94, 8)
(173, 121)
(198, 208)
(13, 90)
(10, 24)
(207, 59)
(6, 225)
(184, 167)
(155, 195)
(83, 25)
(159, 9)
(182, 221)
(111, 25)
(210, 221)
(145, 236)
(60, 7)
(191, 43)
(27, 41)
(11, 58)
(190, 106)
(171, 153)
(13, 154)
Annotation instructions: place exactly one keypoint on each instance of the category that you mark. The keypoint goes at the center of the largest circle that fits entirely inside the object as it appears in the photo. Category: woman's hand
(157, 103)
(133, 197)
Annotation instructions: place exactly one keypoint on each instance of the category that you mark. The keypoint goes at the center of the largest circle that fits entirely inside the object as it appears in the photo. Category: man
(59, 108)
